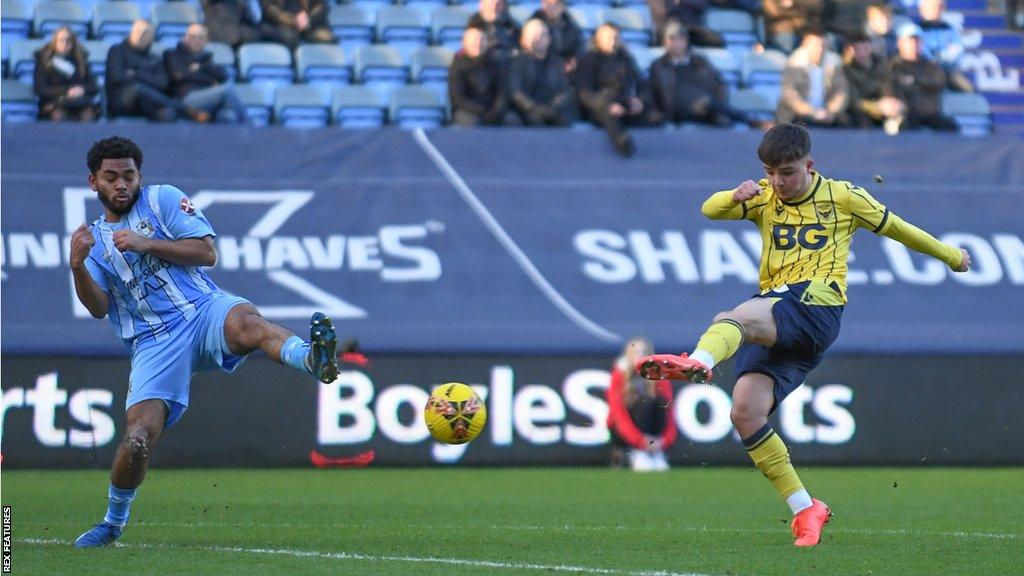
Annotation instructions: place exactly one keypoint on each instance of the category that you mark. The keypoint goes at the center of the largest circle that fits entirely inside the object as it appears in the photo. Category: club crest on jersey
(824, 211)
(187, 207)
(144, 228)
(779, 210)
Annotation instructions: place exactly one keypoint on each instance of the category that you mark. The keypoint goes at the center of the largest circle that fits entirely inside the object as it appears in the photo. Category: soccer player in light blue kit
(141, 264)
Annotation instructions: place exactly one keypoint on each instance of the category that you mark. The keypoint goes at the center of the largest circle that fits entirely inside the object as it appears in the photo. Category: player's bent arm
(918, 240)
(722, 206)
(185, 251)
(89, 292)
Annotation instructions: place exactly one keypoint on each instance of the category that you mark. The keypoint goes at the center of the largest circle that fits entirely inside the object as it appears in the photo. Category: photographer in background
(639, 413)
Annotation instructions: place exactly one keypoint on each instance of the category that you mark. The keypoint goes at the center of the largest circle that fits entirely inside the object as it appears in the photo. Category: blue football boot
(102, 534)
(323, 346)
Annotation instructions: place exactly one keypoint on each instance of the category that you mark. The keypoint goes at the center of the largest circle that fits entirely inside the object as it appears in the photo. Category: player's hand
(652, 443)
(81, 243)
(128, 241)
(965, 262)
(746, 191)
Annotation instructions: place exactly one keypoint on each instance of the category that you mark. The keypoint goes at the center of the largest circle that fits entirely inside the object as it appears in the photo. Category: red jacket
(619, 421)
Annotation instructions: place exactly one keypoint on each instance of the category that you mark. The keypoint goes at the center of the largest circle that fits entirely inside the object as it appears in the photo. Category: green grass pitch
(695, 521)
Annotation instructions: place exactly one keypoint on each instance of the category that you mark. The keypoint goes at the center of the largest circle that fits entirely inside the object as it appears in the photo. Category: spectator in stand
(198, 81)
(871, 93)
(687, 88)
(501, 30)
(784, 19)
(231, 22)
(844, 17)
(941, 42)
(136, 81)
(814, 89)
(66, 88)
(612, 90)
(292, 22)
(690, 13)
(566, 35)
(476, 86)
(919, 82)
(639, 412)
(879, 30)
(539, 89)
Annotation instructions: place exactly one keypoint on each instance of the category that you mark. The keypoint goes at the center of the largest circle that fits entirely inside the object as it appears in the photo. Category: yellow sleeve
(867, 212)
(918, 240)
(722, 207)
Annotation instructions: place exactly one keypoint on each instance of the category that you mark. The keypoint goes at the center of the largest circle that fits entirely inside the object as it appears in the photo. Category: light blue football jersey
(149, 297)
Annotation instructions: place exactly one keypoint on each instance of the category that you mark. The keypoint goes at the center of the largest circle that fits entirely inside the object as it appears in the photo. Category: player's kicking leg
(247, 331)
(145, 424)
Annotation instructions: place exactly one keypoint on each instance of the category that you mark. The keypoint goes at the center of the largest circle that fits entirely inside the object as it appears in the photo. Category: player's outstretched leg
(145, 424)
(323, 359)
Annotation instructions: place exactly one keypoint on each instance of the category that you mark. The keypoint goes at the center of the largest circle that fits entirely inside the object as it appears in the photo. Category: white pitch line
(385, 558)
(506, 241)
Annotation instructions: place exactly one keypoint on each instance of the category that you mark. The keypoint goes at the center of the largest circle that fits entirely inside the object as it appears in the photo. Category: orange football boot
(808, 523)
(672, 367)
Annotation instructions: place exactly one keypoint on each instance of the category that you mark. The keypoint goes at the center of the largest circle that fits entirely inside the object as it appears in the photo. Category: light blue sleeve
(179, 217)
(97, 273)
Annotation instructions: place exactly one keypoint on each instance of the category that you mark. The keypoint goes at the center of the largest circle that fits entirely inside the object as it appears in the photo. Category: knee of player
(138, 442)
(742, 412)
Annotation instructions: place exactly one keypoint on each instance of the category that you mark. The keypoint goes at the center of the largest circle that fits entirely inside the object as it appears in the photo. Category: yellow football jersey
(807, 238)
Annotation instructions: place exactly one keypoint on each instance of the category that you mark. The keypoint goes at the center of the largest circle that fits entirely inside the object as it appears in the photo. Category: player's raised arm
(732, 204)
(90, 293)
(184, 252)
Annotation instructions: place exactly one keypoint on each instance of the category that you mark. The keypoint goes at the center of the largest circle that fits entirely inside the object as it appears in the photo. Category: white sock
(799, 500)
(704, 357)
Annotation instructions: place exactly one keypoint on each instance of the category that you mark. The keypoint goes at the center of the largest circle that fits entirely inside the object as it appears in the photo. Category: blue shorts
(805, 331)
(163, 369)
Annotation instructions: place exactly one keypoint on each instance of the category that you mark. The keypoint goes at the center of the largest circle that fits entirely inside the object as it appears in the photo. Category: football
(454, 413)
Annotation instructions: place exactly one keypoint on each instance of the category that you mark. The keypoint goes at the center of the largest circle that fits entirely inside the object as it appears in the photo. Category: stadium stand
(429, 67)
(171, 19)
(52, 14)
(19, 103)
(113, 20)
(322, 64)
(358, 107)
(416, 107)
(266, 63)
(403, 28)
(353, 25)
(300, 106)
(447, 24)
(380, 67)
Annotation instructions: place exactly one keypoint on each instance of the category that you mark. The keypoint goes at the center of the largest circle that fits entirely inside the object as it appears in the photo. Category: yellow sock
(771, 457)
(721, 340)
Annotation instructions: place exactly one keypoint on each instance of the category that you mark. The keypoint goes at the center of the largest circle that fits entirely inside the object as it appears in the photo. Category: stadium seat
(19, 102)
(265, 63)
(403, 28)
(358, 107)
(380, 67)
(171, 19)
(723, 61)
(258, 102)
(97, 50)
(763, 73)
(754, 103)
(447, 25)
(425, 7)
(52, 14)
(736, 28)
(16, 18)
(113, 20)
(371, 6)
(644, 57)
(521, 13)
(322, 64)
(23, 60)
(353, 24)
(586, 18)
(416, 107)
(429, 67)
(224, 55)
(300, 107)
(970, 110)
(633, 32)
(597, 4)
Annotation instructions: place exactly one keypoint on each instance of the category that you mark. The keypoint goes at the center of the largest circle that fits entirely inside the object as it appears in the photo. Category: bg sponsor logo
(93, 426)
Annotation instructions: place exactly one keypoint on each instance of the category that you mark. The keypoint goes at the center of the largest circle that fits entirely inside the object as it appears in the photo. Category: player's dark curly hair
(114, 147)
(784, 143)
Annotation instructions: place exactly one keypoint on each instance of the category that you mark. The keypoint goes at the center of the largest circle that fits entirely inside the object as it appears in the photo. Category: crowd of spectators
(847, 66)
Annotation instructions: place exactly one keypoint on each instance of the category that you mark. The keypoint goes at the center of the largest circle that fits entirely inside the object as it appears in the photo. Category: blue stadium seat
(429, 67)
(403, 28)
(19, 102)
(15, 24)
(353, 24)
(224, 55)
(644, 57)
(97, 50)
(23, 60)
(521, 13)
(448, 24)
(265, 63)
(52, 14)
(380, 67)
(258, 101)
(358, 107)
(113, 20)
(171, 19)
(300, 107)
(763, 73)
(322, 64)
(736, 28)
(633, 32)
(723, 61)
(970, 111)
(754, 103)
(586, 17)
(416, 107)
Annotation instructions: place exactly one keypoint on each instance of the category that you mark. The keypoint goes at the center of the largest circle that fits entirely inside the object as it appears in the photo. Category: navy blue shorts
(805, 331)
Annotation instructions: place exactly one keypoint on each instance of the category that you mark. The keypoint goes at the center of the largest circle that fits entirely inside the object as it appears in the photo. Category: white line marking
(505, 240)
(375, 558)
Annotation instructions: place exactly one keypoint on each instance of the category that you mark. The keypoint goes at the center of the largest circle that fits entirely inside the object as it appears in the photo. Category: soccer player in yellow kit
(781, 334)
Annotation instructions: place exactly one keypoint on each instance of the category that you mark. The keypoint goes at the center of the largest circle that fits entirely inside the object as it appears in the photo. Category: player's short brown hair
(784, 143)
